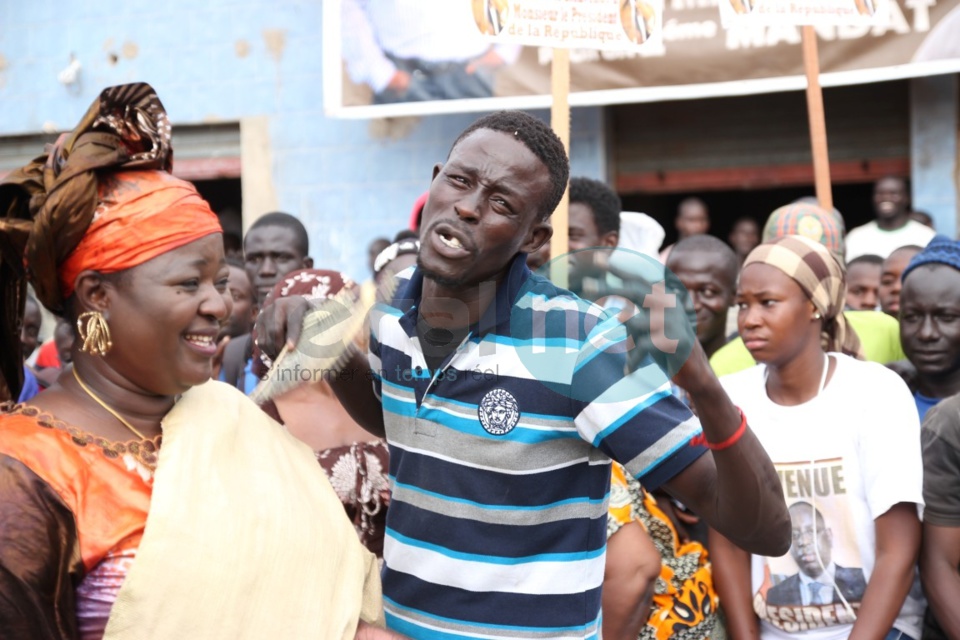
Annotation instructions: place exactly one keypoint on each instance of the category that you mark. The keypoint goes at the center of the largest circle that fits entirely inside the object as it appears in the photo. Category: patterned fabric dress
(358, 473)
(684, 600)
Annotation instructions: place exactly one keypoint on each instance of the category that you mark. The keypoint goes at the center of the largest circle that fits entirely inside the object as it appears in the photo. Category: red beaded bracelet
(729, 442)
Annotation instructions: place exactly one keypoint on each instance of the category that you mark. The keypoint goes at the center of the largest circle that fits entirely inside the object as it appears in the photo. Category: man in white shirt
(893, 227)
(412, 50)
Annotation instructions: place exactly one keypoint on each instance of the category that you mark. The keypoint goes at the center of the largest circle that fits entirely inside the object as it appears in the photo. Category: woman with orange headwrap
(107, 533)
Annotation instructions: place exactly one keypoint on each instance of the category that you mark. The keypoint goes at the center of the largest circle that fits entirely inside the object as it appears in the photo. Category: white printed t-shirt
(871, 239)
(849, 455)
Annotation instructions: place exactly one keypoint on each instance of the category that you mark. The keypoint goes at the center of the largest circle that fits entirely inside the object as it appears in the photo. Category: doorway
(854, 201)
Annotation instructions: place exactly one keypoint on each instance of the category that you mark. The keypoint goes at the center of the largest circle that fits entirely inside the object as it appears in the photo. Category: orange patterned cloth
(105, 486)
(140, 215)
(684, 600)
(89, 495)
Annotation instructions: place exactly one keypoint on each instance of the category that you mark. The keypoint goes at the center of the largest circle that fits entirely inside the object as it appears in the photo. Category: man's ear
(92, 292)
(538, 236)
(308, 263)
(610, 239)
(436, 171)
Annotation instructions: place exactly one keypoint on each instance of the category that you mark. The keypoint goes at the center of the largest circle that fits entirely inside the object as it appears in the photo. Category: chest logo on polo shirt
(499, 412)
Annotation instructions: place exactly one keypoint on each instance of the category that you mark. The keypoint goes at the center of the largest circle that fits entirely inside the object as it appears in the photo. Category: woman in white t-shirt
(844, 437)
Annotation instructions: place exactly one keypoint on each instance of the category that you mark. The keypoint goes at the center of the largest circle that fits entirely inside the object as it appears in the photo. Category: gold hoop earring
(94, 333)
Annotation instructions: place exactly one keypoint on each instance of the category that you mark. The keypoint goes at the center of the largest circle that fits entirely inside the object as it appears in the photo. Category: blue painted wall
(220, 61)
(934, 105)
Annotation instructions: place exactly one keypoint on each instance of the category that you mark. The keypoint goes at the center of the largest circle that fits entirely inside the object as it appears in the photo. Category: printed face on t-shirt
(811, 543)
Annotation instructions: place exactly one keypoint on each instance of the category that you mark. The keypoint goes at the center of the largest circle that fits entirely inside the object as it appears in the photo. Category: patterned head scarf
(822, 278)
(806, 219)
(406, 246)
(941, 250)
(69, 210)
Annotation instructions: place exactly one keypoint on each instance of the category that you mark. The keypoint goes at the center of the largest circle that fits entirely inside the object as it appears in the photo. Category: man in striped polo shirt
(503, 398)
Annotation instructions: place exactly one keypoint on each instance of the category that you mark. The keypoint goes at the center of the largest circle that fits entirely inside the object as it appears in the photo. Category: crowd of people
(842, 430)
(497, 456)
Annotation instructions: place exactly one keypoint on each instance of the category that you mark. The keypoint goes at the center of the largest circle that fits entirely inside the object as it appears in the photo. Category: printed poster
(385, 58)
(820, 582)
(803, 12)
(593, 24)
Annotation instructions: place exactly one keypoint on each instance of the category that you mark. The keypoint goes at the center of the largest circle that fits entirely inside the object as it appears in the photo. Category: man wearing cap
(930, 321)
(930, 330)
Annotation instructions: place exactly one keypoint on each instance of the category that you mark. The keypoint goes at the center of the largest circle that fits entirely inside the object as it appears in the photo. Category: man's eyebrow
(453, 164)
(506, 189)
(472, 172)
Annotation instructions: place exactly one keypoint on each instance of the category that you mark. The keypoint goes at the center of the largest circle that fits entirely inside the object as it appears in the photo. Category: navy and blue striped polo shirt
(500, 461)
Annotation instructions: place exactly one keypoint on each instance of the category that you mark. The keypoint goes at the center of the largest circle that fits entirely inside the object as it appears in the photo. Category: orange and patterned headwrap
(141, 215)
(101, 198)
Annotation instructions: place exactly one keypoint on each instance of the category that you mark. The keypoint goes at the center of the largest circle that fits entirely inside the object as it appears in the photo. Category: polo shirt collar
(408, 297)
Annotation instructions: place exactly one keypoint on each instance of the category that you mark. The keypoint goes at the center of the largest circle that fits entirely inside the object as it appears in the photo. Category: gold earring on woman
(94, 333)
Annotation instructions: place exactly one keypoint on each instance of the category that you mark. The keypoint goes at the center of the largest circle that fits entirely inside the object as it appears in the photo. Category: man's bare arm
(280, 324)
(898, 547)
(736, 490)
(731, 578)
(354, 389)
(939, 559)
(632, 569)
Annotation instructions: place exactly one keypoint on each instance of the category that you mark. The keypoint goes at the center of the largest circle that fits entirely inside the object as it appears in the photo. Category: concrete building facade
(257, 65)
(244, 78)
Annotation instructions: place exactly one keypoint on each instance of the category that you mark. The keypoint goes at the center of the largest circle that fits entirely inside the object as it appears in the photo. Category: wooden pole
(560, 121)
(818, 125)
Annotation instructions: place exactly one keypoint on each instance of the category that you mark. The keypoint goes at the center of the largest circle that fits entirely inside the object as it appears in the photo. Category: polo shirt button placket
(425, 427)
